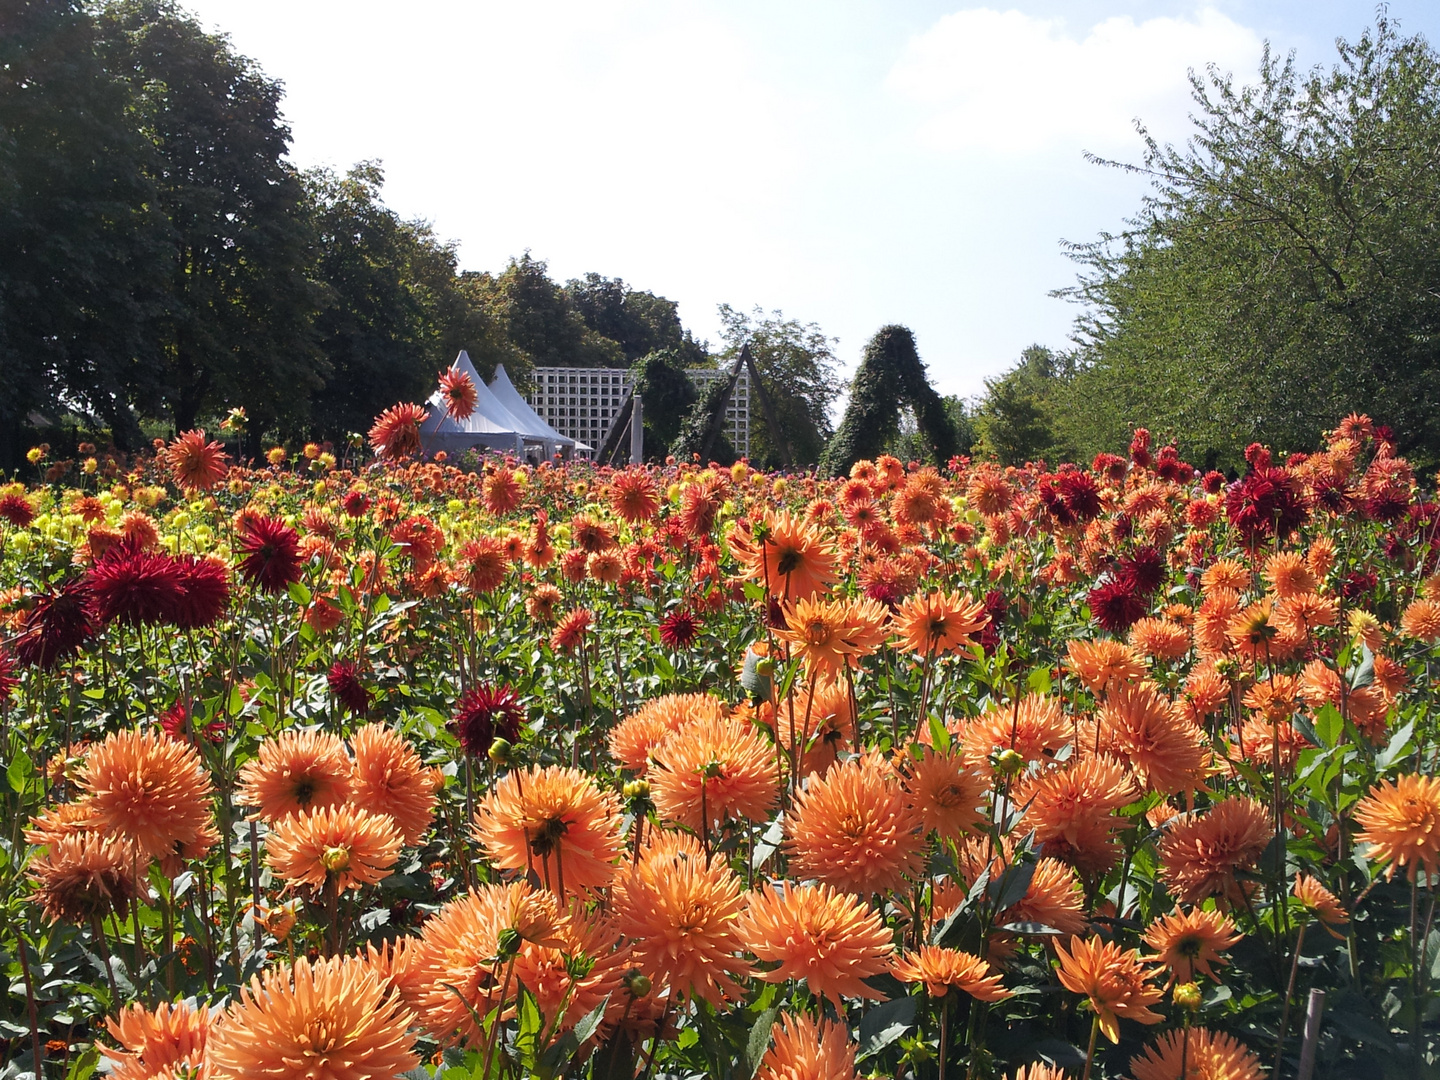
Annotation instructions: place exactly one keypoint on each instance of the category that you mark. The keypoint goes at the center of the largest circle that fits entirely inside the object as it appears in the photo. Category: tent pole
(637, 432)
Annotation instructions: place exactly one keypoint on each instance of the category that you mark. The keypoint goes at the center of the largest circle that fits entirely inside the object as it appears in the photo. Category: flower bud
(336, 859)
(1007, 762)
(500, 751)
(507, 943)
(1187, 996)
(638, 983)
(636, 790)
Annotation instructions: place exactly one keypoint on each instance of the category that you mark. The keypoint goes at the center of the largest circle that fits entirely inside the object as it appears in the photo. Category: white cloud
(1009, 83)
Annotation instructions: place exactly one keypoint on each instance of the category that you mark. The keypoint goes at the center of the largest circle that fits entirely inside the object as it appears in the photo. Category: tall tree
(1283, 271)
(667, 396)
(800, 373)
(238, 325)
(541, 319)
(1015, 420)
(639, 322)
(82, 267)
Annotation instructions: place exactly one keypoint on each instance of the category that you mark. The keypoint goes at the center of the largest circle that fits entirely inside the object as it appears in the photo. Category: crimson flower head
(16, 509)
(271, 551)
(485, 714)
(179, 723)
(459, 393)
(679, 629)
(1264, 504)
(396, 432)
(1213, 482)
(8, 679)
(58, 624)
(136, 587)
(1257, 456)
(1081, 494)
(1116, 605)
(205, 591)
(1140, 447)
(356, 503)
(344, 683)
(1145, 570)
(1110, 466)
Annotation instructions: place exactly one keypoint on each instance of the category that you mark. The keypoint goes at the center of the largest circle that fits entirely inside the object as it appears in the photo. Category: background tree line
(162, 261)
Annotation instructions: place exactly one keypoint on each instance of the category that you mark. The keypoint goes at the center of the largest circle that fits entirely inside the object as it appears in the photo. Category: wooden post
(1313, 1010)
(637, 431)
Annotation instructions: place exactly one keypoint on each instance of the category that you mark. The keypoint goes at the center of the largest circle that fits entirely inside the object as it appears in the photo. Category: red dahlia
(16, 509)
(58, 624)
(679, 629)
(459, 393)
(1081, 494)
(136, 587)
(195, 465)
(344, 683)
(205, 592)
(396, 432)
(271, 551)
(8, 680)
(1264, 504)
(1116, 605)
(485, 714)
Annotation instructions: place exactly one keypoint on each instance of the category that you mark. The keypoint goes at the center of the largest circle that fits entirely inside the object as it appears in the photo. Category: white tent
(505, 392)
(490, 426)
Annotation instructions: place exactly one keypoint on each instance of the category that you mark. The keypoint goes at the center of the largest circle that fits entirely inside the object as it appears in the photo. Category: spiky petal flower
(1116, 981)
(150, 789)
(635, 739)
(156, 1043)
(389, 778)
(396, 431)
(1198, 1054)
(296, 771)
(195, 465)
(935, 623)
(486, 713)
(135, 587)
(1201, 854)
(270, 552)
(803, 1050)
(714, 770)
(790, 558)
(557, 817)
(943, 969)
(16, 510)
(352, 844)
(57, 625)
(458, 391)
(334, 1019)
(343, 681)
(854, 829)
(82, 876)
(1400, 820)
(633, 496)
(1187, 943)
(204, 591)
(681, 911)
(828, 938)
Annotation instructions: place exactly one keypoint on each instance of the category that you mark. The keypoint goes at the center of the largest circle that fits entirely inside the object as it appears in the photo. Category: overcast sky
(850, 163)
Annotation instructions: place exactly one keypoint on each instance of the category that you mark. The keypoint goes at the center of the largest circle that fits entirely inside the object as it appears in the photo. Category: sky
(852, 163)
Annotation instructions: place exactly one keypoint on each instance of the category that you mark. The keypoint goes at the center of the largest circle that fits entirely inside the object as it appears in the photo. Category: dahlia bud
(500, 751)
(336, 859)
(636, 790)
(638, 983)
(1007, 762)
(1187, 996)
(507, 943)
(765, 666)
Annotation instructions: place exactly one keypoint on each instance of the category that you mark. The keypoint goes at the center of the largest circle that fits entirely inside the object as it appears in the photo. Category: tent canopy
(505, 392)
(494, 425)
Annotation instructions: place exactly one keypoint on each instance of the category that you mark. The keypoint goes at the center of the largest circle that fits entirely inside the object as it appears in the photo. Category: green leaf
(884, 1024)
(1398, 748)
(299, 593)
(1363, 673)
(1329, 726)
(939, 735)
(18, 772)
(759, 1040)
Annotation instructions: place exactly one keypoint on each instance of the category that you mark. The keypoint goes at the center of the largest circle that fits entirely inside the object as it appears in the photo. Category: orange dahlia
(828, 938)
(1321, 903)
(1196, 1054)
(1201, 853)
(333, 1018)
(712, 771)
(396, 431)
(634, 496)
(1055, 898)
(681, 913)
(1289, 574)
(571, 631)
(501, 491)
(950, 798)
(156, 1043)
(84, 876)
(803, 1050)
(1421, 621)
(149, 788)
(356, 846)
(1039, 1070)
(1116, 981)
(1141, 727)
(558, 816)
(1400, 820)
(1073, 811)
(635, 738)
(828, 635)
(195, 465)
(1033, 726)
(389, 778)
(854, 829)
(459, 393)
(1103, 663)
(1188, 942)
(569, 980)
(939, 622)
(790, 558)
(941, 969)
(299, 770)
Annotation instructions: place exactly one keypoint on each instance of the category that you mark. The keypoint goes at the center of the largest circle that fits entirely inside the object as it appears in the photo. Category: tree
(1283, 270)
(238, 322)
(82, 256)
(1014, 422)
(891, 376)
(666, 394)
(639, 322)
(541, 320)
(800, 374)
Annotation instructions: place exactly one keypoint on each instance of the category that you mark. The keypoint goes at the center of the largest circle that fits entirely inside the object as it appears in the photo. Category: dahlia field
(372, 768)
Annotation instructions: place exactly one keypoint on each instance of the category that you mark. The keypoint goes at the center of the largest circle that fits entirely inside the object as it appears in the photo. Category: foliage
(690, 437)
(639, 322)
(1282, 271)
(667, 396)
(800, 374)
(1016, 419)
(891, 374)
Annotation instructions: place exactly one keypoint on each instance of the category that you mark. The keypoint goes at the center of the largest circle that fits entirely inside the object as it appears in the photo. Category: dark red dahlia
(485, 714)
(1145, 570)
(1081, 494)
(8, 679)
(16, 509)
(679, 629)
(58, 624)
(1330, 494)
(1388, 503)
(1116, 605)
(1294, 461)
(205, 585)
(136, 587)
(1213, 482)
(1140, 447)
(179, 723)
(996, 607)
(344, 683)
(1264, 504)
(271, 551)
(356, 503)
(1257, 456)
(1168, 466)
(1359, 583)
(1110, 466)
